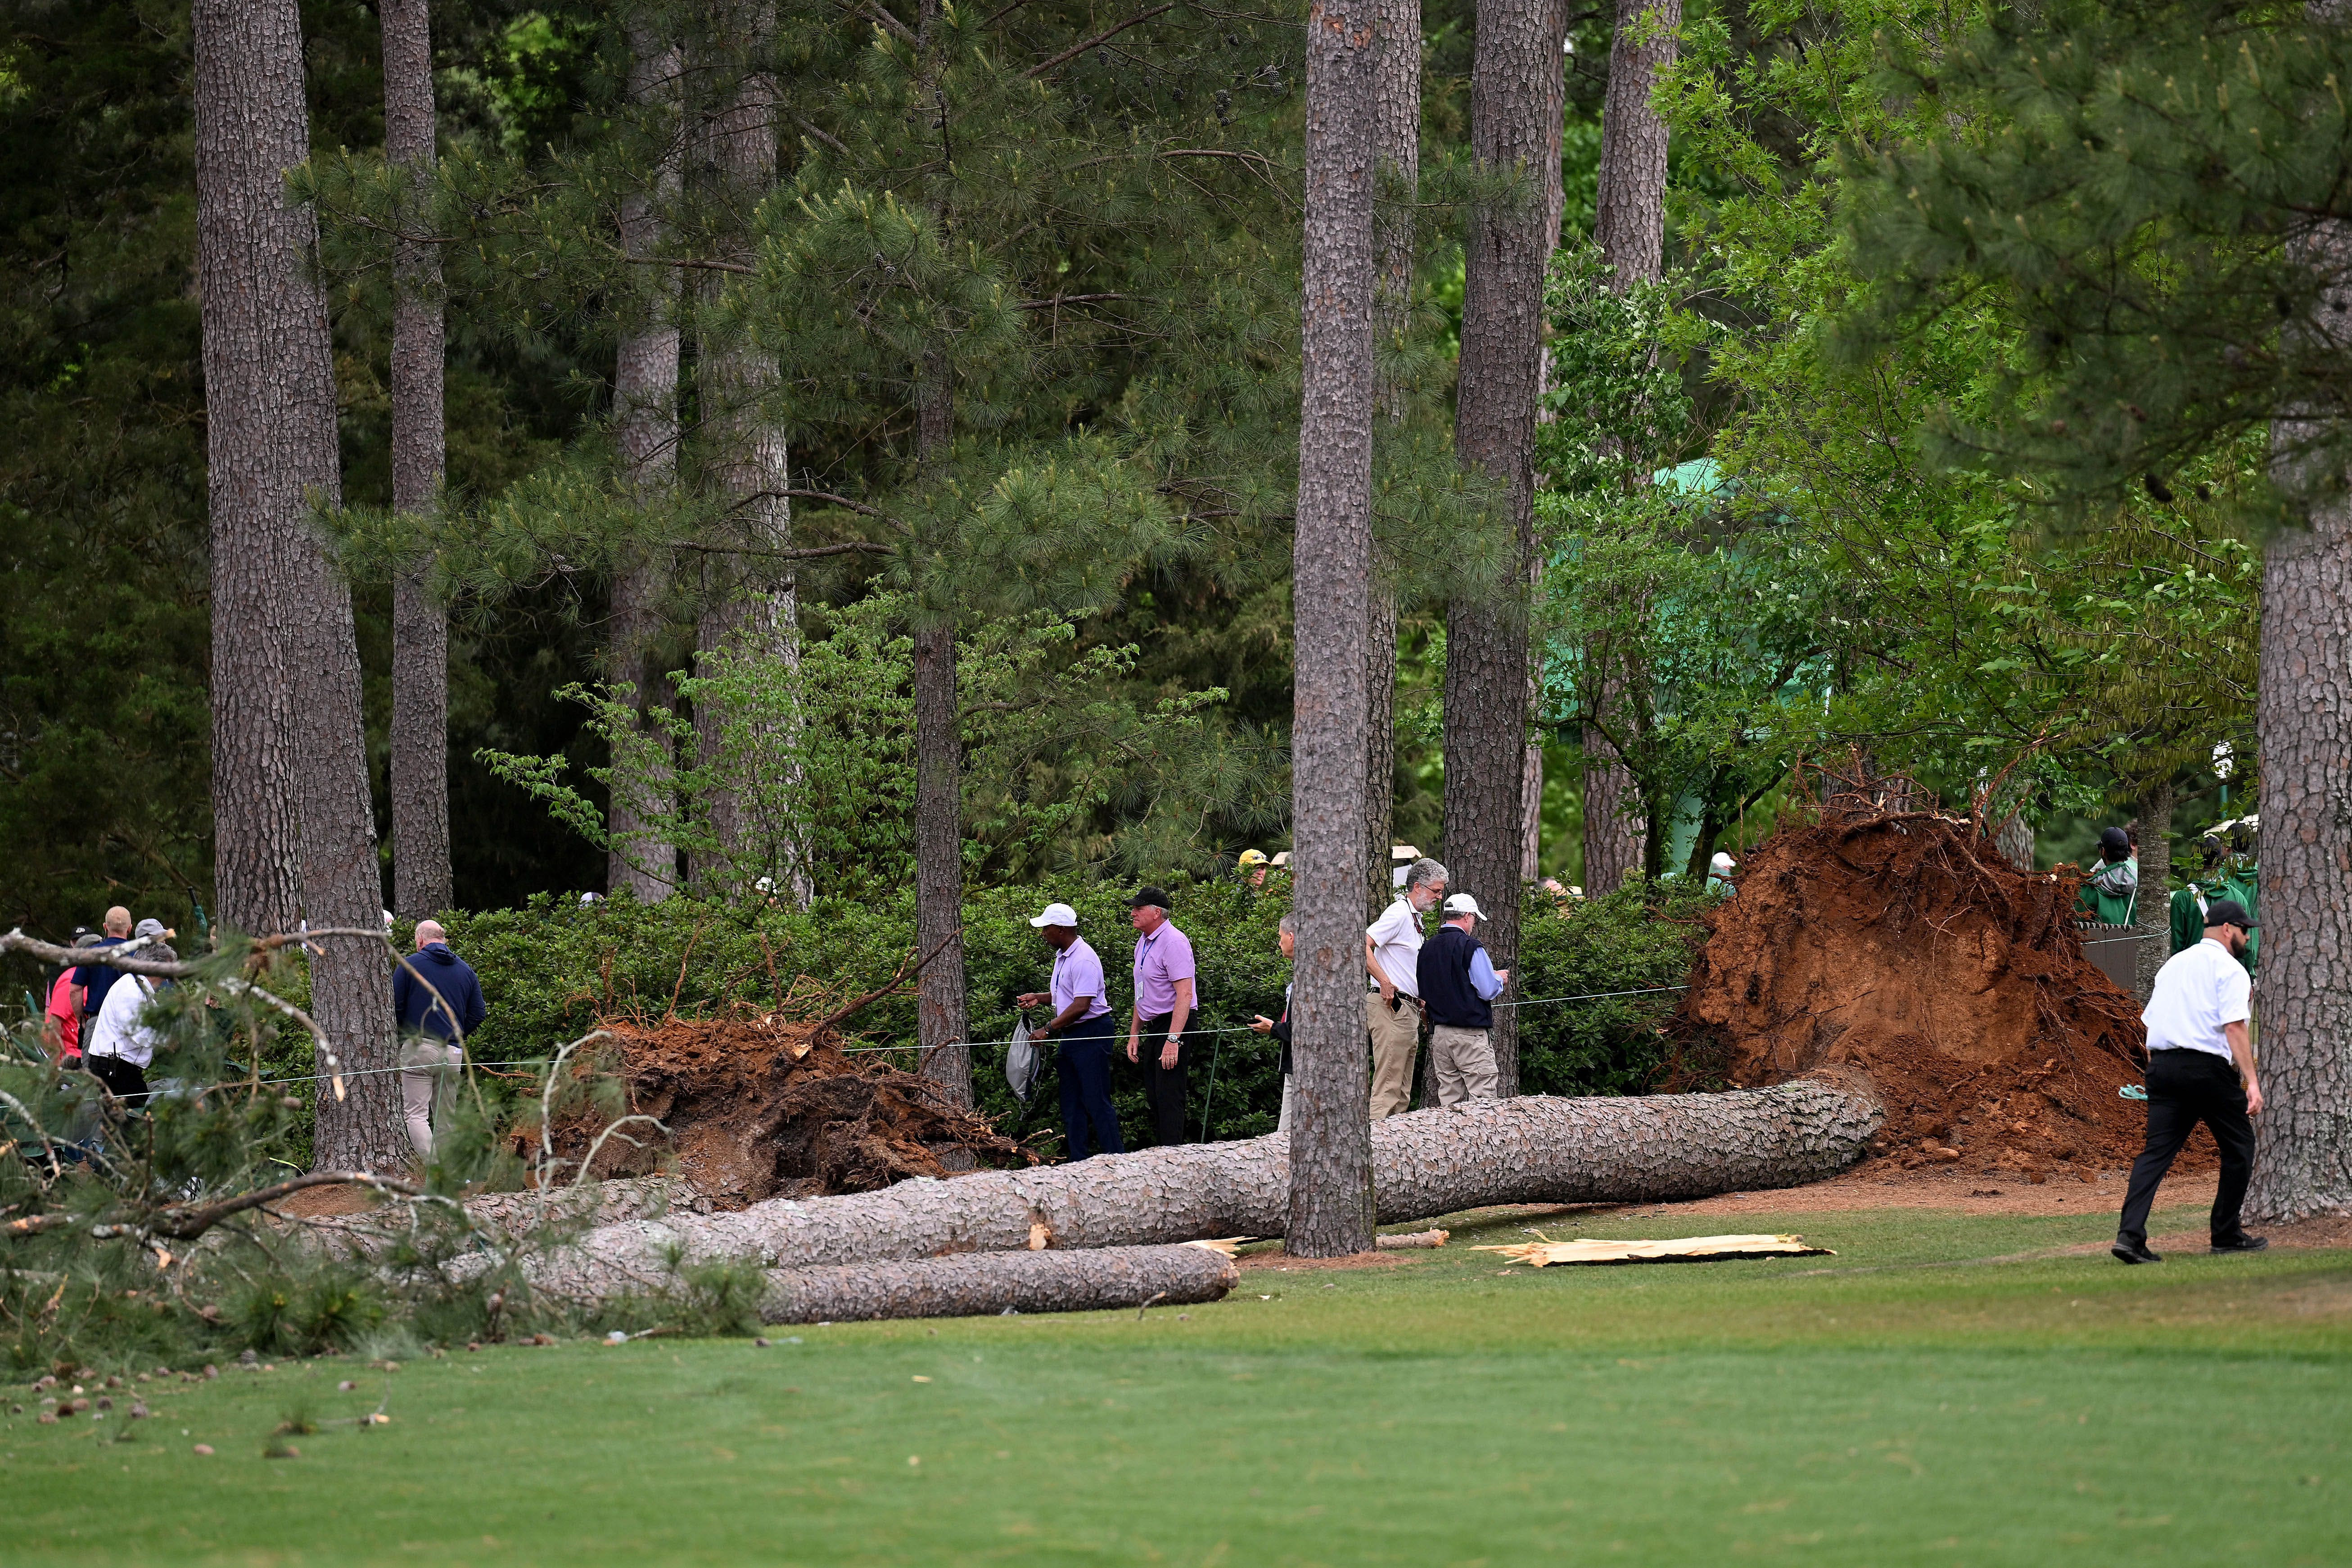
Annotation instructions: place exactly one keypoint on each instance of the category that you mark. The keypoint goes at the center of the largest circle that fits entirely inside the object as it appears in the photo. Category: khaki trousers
(428, 1077)
(1463, 1063)
(1396, 1043)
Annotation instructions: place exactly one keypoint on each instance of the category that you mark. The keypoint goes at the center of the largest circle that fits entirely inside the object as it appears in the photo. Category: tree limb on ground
(988, 1284)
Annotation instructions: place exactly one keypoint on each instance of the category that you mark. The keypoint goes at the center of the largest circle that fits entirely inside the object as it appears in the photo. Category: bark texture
(2303, 1140)
(941, 1023)
(270, 402)
(1329, 1205)
(1533, 1148)
(978, 1284)
(645, 427)
(754, 599)
(264, 441)
(2152, 911)
(1396, 150)
(1487, 650)
(421, 874)
(1629, 226)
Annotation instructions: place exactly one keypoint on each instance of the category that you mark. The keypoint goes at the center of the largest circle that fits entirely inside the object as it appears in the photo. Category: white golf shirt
(1396, 945)
(2199, 991)
(117, 1031)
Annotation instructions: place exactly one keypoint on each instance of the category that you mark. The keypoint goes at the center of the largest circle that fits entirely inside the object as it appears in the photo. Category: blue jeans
(1082, 1063)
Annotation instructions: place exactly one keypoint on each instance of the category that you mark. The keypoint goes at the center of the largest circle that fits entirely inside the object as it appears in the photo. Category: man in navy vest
(1458, 986)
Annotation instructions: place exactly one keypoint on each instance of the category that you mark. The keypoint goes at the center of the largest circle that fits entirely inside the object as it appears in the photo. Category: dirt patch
(760, 1107)
(1901, 945)
(1279, 1262)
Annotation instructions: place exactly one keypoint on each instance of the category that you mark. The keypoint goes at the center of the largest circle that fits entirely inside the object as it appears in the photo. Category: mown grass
(1943, 1391)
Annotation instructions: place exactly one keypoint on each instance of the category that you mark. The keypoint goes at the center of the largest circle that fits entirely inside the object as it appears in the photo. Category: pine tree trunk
(1328, 1203)
(2153, 910)
(645, 421)
(940, 1018)
(1487, 650)
(270, 402)
(1532, 1149)
(2302, 1148)
(421, 873)
(756, 603)
(994, 1284)
(1396, 143)
(262, 440)
(1613, 838)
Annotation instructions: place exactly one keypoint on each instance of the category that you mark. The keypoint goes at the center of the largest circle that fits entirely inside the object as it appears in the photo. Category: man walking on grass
(437, 1001)
(1164, 1003)
(1081, 1028)
(1393, 1005)
(1458, 986)
(2201, 1067)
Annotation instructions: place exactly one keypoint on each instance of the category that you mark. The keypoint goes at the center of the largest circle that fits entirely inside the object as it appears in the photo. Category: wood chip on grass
(1688, 1249)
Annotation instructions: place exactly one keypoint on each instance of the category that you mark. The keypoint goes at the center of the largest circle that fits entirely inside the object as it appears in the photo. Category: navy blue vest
(1446, 986)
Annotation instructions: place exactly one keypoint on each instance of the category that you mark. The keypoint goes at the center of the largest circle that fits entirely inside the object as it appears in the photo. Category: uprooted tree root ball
(768, 1107)
(1899, 943)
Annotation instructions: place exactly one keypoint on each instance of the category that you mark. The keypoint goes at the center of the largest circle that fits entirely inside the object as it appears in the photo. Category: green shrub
(550, 970)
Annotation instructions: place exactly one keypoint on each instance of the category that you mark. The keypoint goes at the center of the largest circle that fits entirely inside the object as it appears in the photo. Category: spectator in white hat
(1458, 986)
(1081, 1030)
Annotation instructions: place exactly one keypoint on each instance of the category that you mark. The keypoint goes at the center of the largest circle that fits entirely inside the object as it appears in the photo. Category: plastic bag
(1023, 1062)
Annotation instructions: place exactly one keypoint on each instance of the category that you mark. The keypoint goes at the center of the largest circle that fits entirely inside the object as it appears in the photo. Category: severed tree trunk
(421, 878)
(1328, 1207)
(1530, 1149)
(1630, 225)
(262, 439)
(2152, 911)
(1396, 146)
(273, 407)
(645, 427)
(1487, 650)
(978, 1284)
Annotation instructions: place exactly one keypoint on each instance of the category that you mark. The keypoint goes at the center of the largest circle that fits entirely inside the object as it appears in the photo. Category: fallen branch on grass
(1690, 1250)
(988, 1284)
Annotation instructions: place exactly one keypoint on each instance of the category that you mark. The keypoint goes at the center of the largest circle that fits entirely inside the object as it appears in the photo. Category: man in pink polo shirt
(1164, 1003)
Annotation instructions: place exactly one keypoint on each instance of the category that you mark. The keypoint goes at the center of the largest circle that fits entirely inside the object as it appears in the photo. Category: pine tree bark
(2303, 1140)
(1531, 1149)
(940, 1018)
(1487, 652)
(644, 426)
(991, 1284)
(261, 440)
(1329, 1203)
(421, 872)
(1396, 142)
(2152, 911)
(755, 603)
(1629, 226)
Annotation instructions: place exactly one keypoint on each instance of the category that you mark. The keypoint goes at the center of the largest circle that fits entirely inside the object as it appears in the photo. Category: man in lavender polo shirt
(1164, 1001)
(1081, 1024)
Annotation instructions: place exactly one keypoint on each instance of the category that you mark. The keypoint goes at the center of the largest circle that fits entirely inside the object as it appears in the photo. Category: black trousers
(1084, 1064)
(127, 1081)
(2185, 1088)
(1163, 1087)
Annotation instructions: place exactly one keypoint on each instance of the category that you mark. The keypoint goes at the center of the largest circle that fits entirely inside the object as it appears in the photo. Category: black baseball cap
(2229, 912)
(2114, 838)
(1158, 896)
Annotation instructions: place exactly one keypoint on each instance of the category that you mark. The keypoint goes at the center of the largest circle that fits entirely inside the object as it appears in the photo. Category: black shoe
(2243, 1244)
(2134, 1252)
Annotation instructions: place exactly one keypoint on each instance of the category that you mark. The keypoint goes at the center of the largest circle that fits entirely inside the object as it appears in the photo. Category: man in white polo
(1392, 1005)
(2201, 1067)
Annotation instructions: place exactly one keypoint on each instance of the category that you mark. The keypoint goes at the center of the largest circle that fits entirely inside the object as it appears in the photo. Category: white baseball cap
(1464, 904)
(1723, 860)
(1058, 915)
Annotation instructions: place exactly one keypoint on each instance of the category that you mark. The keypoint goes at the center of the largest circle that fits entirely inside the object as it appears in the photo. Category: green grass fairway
(1944, 1391)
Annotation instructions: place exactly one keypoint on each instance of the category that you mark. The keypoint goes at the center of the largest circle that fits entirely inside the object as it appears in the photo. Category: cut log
(987, 1284)
(1534, 1149)
(1409, 1241)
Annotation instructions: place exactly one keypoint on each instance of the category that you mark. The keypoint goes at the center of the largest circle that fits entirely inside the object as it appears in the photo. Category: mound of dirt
(761, 1108)
(1901, 944)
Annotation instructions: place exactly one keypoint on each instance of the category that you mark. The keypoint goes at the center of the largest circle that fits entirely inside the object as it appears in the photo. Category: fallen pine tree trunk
(1533, 1148)
(978, 1284)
